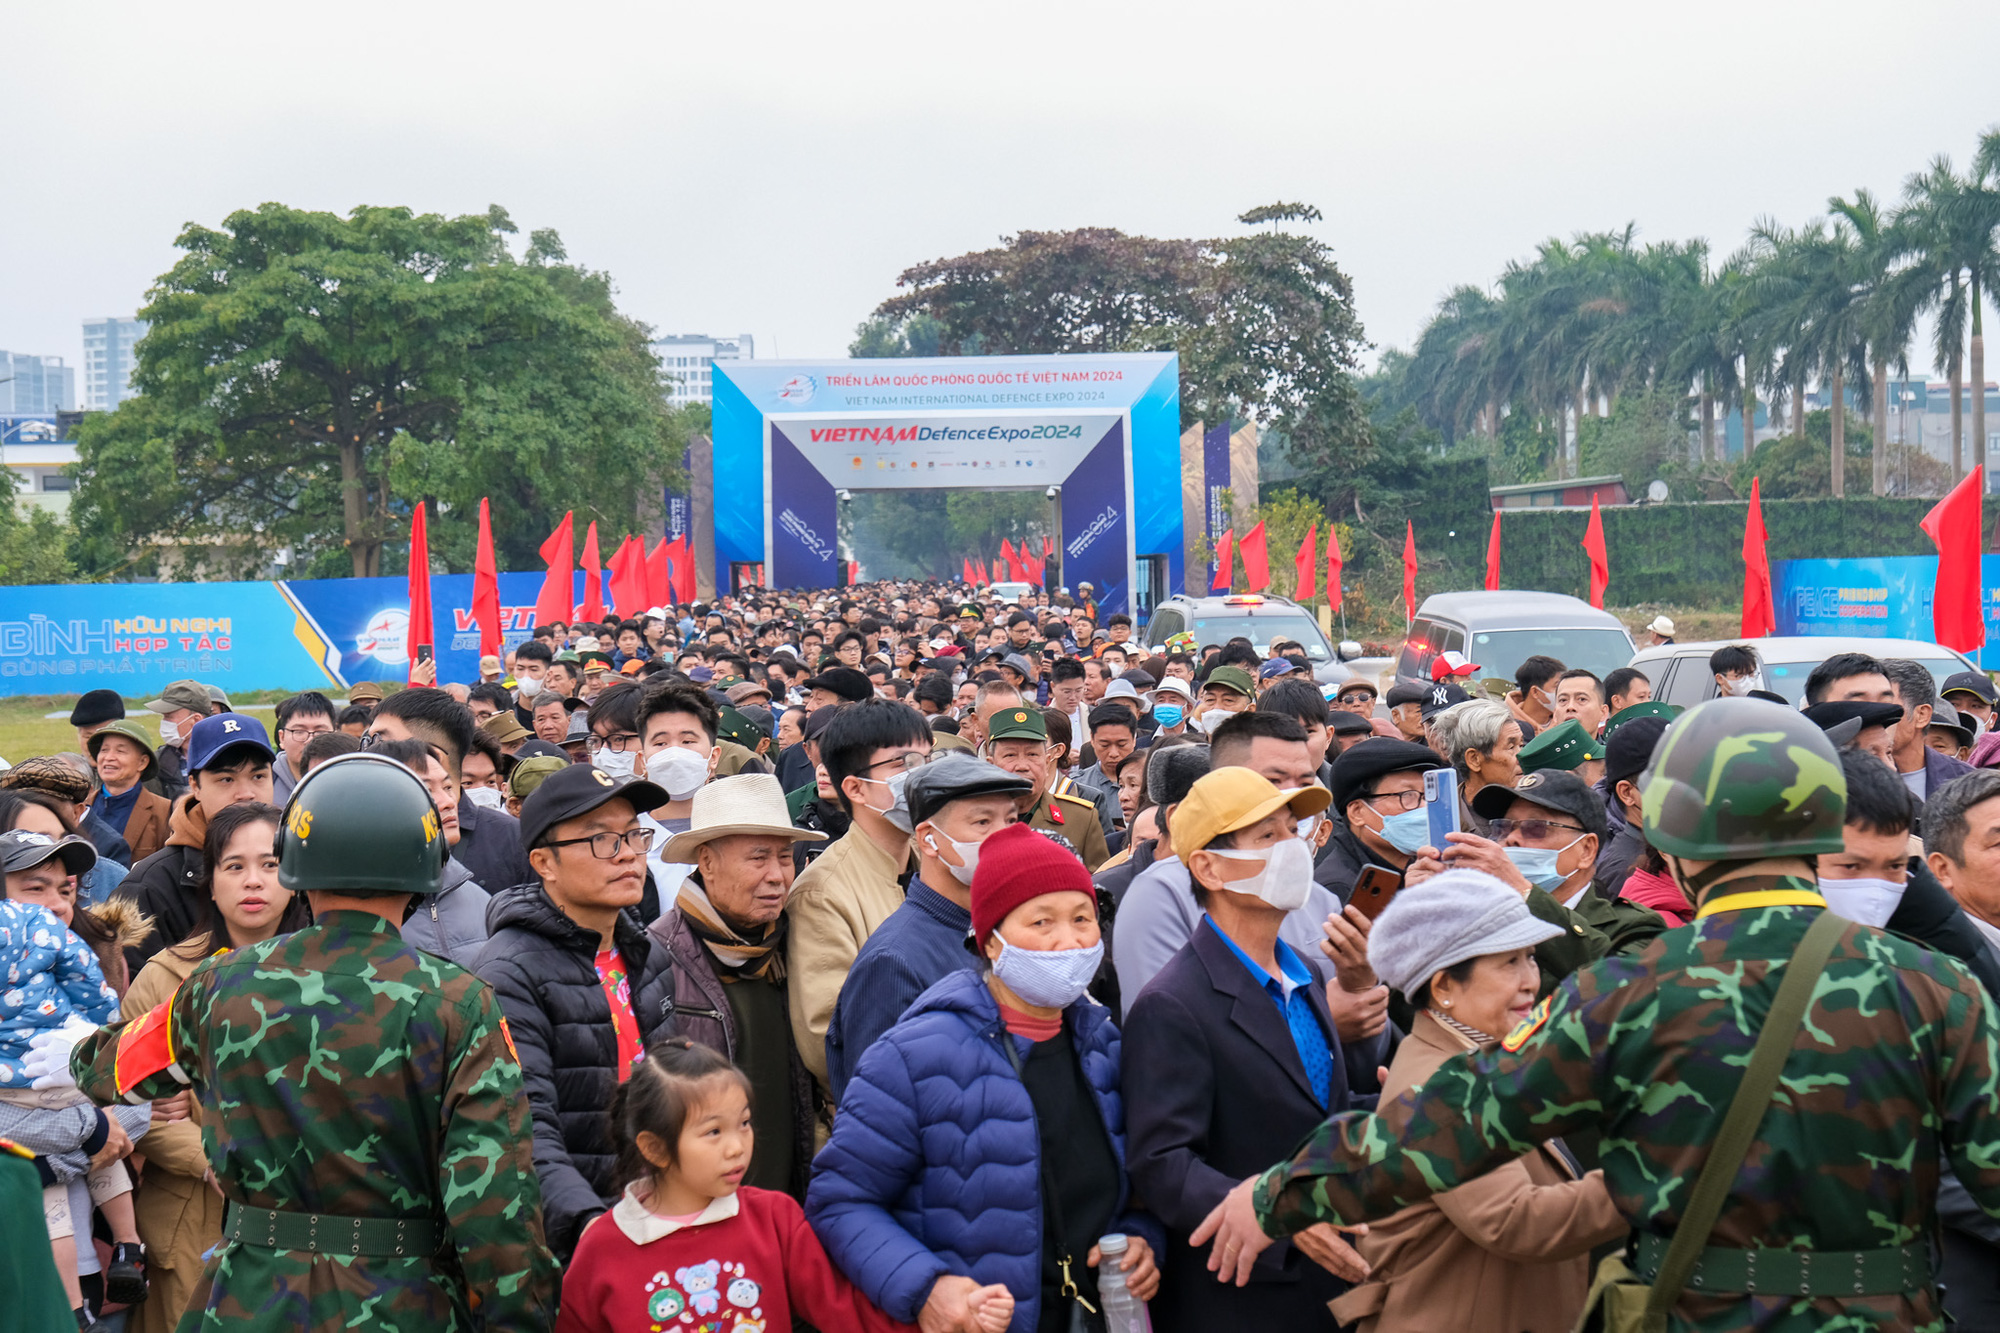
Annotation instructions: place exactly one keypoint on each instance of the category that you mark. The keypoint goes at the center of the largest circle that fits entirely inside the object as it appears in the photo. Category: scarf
(737, 956)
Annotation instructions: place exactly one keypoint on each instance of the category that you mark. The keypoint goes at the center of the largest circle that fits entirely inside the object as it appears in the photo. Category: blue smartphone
(1441, 804)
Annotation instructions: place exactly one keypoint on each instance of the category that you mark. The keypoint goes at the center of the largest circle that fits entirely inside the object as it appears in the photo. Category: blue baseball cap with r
(213, 736)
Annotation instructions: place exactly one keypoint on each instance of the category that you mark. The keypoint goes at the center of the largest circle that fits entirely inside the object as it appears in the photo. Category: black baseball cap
(1965, 682)
(577, 790)
(1439, 697)
(23, 849)
(1555, 789)
(843, 681)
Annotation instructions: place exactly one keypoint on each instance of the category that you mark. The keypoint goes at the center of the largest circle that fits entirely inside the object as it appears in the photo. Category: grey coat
(451, 922)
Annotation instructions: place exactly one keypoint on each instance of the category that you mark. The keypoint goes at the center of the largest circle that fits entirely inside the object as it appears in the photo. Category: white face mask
(1738, 687)
(486, 798)
(966, 852)
(528, 686)
(1869, 901)
(1052, 978)
(1286, 879)
(169, 733)
(1211, 718)
(617, 763)
(680, 770)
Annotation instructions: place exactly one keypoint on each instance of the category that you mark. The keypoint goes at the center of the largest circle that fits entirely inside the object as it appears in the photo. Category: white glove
(47, 1062)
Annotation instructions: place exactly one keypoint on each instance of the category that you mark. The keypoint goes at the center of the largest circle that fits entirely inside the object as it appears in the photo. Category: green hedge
(1691, 554)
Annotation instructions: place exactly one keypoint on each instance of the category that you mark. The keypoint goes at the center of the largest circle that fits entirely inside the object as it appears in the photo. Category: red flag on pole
(1760, 611)
(1225, 562)
(1017, 565)
(968, 567)
(660, 575)
(1493, 555)
(853, 572)
(1256, 561)
(557, 598)
(423, 631)
(1600, 559)
(1953, 524)
(593, 576)
(1409, 570)
(627, 571)
(486, 587)
(1334, 565)
(685, 588)
(1306, 563)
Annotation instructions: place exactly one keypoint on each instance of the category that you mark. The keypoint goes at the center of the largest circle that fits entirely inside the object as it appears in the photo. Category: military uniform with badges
(1072, 818)
(1819, 1213)
(362, 1103)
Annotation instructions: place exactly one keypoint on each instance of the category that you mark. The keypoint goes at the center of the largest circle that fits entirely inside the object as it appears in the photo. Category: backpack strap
(1746, 1112)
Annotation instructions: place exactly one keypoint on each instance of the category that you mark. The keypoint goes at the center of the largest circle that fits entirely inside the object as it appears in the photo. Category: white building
(687, 361)
(109, 360)
(35, 385)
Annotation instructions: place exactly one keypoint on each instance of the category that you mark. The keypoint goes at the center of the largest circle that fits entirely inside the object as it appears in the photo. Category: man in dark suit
(1230, 1052)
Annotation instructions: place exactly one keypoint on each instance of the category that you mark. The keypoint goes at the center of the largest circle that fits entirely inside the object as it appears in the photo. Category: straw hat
(746, 803)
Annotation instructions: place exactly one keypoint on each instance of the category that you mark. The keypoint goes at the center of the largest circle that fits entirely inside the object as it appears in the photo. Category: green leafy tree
(307, 378)
(34, 545)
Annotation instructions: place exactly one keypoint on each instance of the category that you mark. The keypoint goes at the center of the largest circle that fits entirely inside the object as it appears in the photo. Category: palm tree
(1981, 227)
(1888, 314)
(1933, 222)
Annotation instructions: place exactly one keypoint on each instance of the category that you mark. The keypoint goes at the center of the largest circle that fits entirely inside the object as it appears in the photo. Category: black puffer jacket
(543, 966)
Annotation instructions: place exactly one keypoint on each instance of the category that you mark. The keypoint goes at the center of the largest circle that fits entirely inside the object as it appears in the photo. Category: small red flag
(593, 577)
(968, 568)
(1409, 570)
(1017, 565)
(1954, 524)
(1334, 565)
(1600, 559)
(660, 575)
(557, 598)
(1225, 562)
(1760, 611)
(627, 571)
(685, 589)
(1256, 561)
(486, 587)
(1493, 556)
(1306, 563)
(422, 632)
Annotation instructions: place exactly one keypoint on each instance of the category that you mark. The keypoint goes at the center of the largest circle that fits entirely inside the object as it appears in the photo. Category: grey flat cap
(1458, 915)
(954, 777)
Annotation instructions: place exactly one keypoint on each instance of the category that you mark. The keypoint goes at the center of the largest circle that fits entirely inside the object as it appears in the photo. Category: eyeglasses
(618, 744)
(909, 763)
(1361, 698)
(304, 733)
(1534, 830)
(1405, 800)
(604, 846)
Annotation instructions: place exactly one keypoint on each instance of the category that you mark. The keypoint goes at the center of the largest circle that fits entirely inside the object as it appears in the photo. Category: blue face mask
(1408, 831)
(1538, 864)
(1168, 715)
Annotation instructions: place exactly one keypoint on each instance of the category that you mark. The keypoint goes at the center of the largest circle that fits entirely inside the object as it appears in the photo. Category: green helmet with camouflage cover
(1741, 780)
(361, 824)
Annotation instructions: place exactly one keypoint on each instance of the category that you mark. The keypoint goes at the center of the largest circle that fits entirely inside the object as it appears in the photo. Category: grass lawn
(26, 729)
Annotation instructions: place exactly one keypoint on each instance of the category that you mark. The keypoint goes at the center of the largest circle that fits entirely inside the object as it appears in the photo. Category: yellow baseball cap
(1229, 799)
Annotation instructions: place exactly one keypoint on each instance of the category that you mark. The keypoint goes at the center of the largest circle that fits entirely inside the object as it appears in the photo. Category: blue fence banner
(1882, 597)
(305, 634)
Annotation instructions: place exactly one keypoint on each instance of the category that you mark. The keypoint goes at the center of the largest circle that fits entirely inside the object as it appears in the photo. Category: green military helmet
(361, 824)
(1741, 780)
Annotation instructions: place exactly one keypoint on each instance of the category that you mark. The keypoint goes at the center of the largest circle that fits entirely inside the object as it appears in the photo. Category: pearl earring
(1447, 1004)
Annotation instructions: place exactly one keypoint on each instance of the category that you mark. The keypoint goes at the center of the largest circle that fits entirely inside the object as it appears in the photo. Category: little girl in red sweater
(688, 1249)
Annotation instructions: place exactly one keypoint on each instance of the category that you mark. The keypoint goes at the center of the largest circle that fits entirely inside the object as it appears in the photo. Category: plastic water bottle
(1123, 1312)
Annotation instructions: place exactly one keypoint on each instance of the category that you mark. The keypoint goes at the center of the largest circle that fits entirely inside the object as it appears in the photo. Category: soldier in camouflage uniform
(362, 1100)
(1894, 1070)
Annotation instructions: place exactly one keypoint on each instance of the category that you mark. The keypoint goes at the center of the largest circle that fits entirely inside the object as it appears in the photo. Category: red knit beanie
(1017, 864)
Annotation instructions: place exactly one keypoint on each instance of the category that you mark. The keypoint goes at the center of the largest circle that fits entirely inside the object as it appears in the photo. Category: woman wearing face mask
(179, 1212)
(1025, 1070)
(1510, 1250)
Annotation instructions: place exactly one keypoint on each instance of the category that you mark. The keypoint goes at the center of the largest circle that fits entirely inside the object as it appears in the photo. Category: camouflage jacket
(341, 1071)
(1894, 1074)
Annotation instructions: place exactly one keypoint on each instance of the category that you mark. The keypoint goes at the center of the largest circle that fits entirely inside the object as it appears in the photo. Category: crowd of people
(900, 956)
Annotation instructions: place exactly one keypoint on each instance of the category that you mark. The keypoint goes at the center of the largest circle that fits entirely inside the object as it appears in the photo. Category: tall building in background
(686, 360)
(109, 360)
(35, 385)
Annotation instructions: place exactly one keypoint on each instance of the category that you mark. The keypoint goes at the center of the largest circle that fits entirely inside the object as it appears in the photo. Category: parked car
(1262, 620)
(1680, 675)
(1502, 629)
(1010, 591)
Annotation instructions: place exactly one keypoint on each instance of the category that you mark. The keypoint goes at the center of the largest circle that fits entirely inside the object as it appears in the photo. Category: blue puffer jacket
(934, 1164)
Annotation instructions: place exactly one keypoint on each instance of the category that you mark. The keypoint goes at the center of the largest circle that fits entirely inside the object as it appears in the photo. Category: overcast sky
(770, 168)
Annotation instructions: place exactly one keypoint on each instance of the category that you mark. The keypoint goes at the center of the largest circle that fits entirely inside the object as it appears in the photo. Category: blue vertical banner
(679, 505)
(1214, 481)
(1097, 529)
(805, 546)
